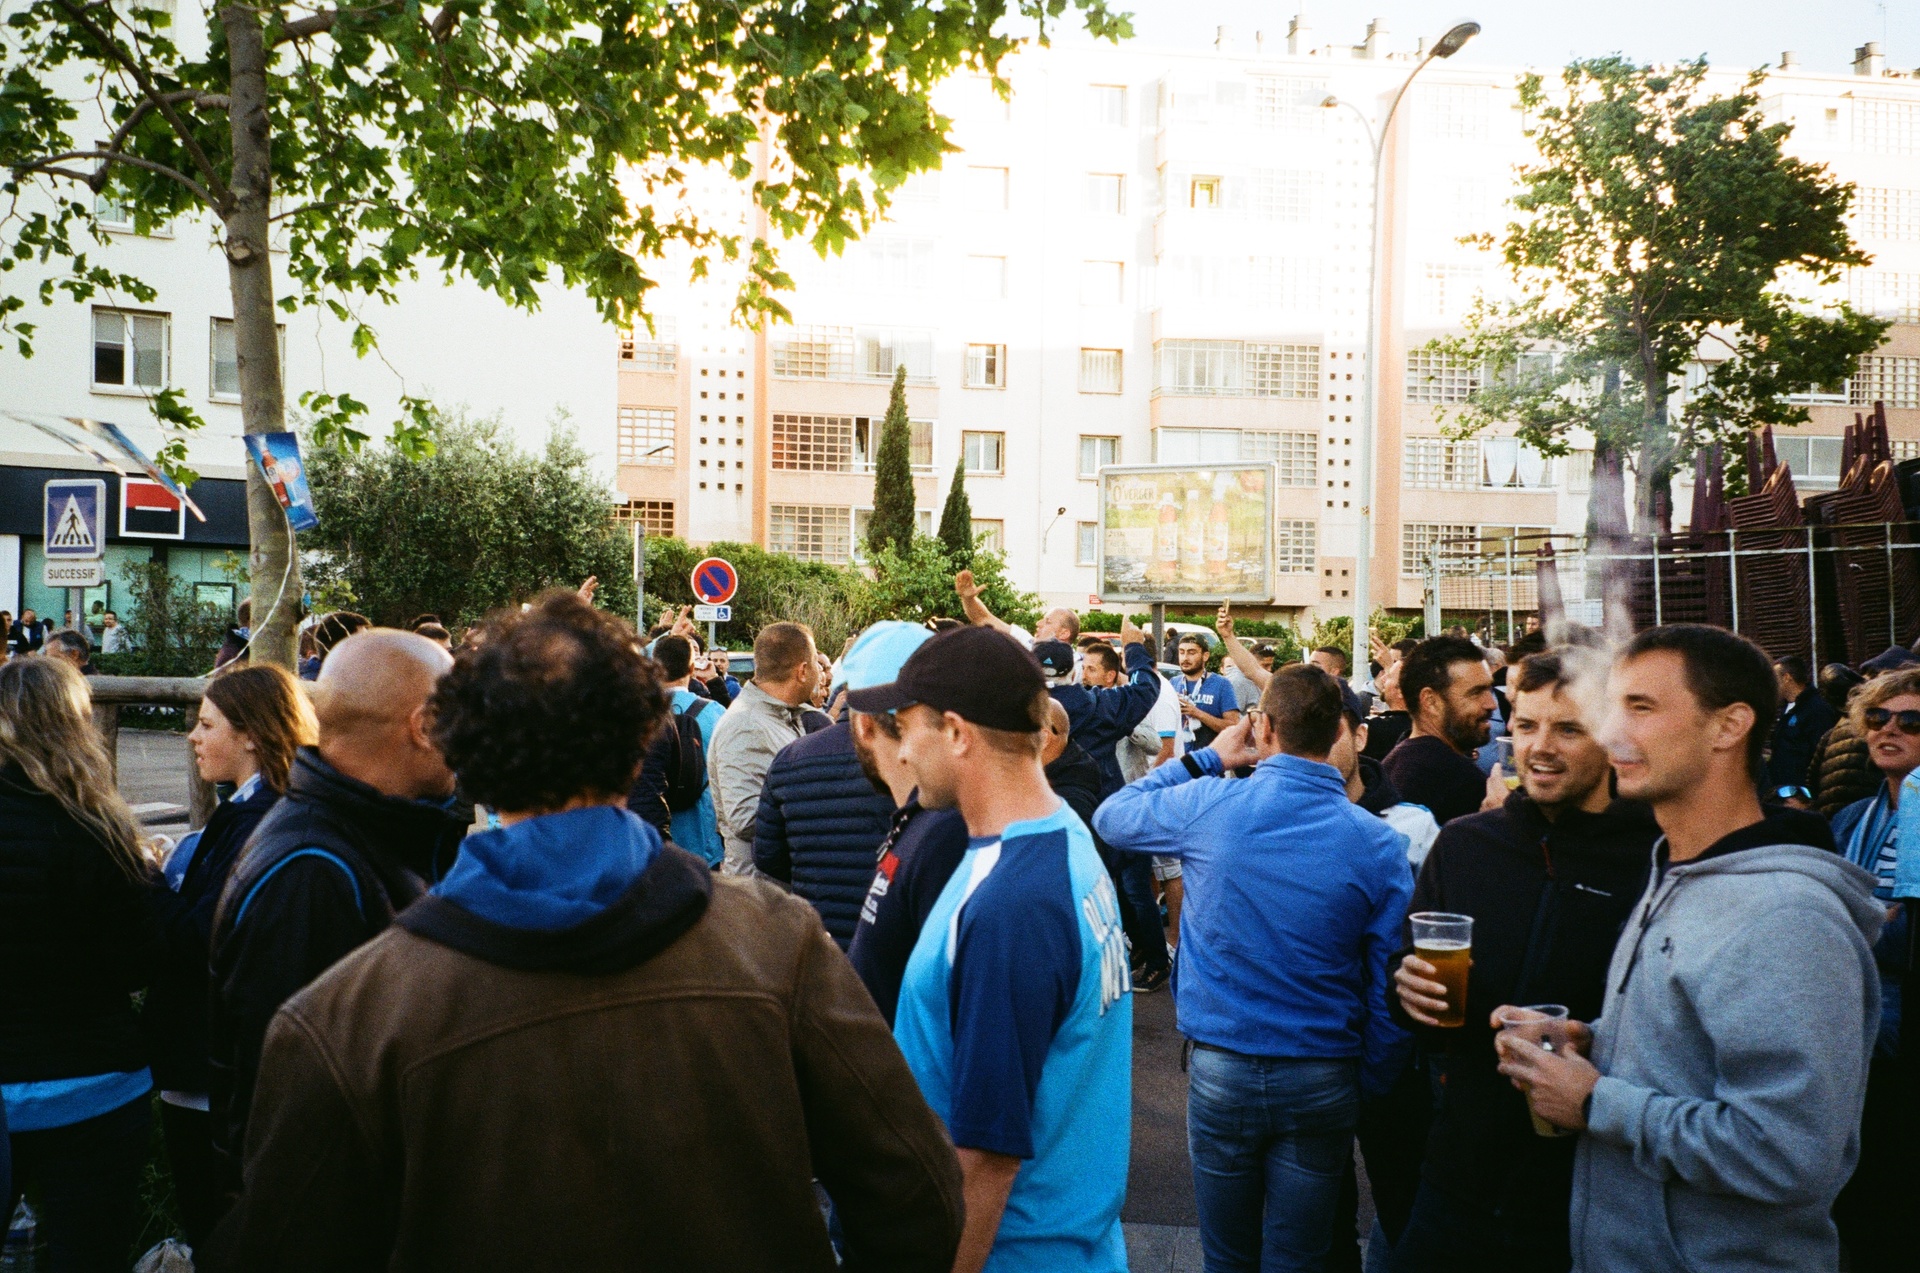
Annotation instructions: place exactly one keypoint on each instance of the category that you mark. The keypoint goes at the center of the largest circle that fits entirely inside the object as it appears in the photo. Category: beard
(870, 766)
(1467, 735)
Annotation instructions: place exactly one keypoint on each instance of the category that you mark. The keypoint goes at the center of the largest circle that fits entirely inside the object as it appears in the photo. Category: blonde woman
(252, 720)
(76, 942)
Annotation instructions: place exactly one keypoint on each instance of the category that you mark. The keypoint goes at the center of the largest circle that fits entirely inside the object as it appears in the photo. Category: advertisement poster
(1186, 533)
(278, 455)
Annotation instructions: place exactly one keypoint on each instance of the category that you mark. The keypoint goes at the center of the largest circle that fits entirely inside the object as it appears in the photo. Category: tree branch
(206, 101)
(308, 27)
(95, 180)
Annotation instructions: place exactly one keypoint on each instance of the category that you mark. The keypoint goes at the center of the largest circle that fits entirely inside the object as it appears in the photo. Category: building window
(1102, 283)
(1291, 104)
(810, 532)
(1436, 378)
(1906, 449)
(1457, 112)
(987, 278)
(648, 355)
(1231, 368)
(110, 212)
(984, 452)
(891, 263)
(863, 522)
(1296, 547)
(1295, 453)
(655, 516)
(1880, 212)
(223, 373)
(1446, 289)
(990, 536)
(1106, 194)
(1282, 371)
(878, 350)
(1107, 105)
(986, 366)
(1815, 461)
(1204, 192)
(1419, 540)
(646, 435)
(129, 350)
(1100, 371)
(1886, 294)
(1087, 552)
(866, 443)
(1286, 196)
(814, 353)
(987, 189)
(1096, 452)
(1886, 128)
(1440, 463)
(1579, 471)
(813, 443)
(1884, 378)
(921, 187)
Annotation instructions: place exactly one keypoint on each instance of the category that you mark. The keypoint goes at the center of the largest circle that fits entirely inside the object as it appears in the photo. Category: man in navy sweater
(1294, 903)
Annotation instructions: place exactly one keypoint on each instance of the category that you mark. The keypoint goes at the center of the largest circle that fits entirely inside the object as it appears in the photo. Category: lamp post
(1447, 45)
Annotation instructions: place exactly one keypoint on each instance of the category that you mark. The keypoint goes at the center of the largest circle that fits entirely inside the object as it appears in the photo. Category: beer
(1446, 942)
(1450, 959)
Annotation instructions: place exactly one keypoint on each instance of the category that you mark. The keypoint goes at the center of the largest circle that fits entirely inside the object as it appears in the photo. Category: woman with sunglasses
(1886, 712)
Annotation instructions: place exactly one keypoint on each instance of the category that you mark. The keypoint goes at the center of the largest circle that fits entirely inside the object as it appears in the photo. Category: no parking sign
(714, 581)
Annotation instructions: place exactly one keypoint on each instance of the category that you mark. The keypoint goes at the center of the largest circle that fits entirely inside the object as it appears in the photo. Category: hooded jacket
(820, 825)
(1099, 719)
(1741, 1008)
(584, 1051)
(1075, 778)
(1381, 798)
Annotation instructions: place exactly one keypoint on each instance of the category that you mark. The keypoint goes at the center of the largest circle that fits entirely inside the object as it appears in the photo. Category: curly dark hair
(554, 702)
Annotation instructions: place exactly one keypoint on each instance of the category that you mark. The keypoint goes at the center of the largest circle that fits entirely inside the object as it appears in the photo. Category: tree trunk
(1607, 529)
(1653, 486)
(273, 558)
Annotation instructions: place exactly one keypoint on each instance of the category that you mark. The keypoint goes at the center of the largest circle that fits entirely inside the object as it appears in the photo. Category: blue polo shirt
(1213, 694)
(1016, 1017)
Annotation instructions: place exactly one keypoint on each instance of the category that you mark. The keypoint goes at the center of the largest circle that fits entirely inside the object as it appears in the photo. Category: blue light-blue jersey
(696, 829)
(1016, 1017)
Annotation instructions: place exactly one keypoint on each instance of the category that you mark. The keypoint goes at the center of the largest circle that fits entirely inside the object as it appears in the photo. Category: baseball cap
(1055, 657)
(876, 657)
(977, 673)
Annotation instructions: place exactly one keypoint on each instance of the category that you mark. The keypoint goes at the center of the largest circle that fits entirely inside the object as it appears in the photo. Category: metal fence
(1831, 593)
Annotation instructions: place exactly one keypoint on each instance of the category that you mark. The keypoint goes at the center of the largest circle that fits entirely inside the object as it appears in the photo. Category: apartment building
(1147, 256)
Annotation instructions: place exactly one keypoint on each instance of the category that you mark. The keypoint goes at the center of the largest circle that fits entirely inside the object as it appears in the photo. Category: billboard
(1186, 533)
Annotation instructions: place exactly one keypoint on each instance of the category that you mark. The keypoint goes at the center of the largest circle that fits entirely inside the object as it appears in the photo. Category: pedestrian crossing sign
(76, 519)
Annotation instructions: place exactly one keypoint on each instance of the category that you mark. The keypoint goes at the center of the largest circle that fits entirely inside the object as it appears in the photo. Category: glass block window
(654, 515)
(990, 535)
(1100, 370)
(1097, 451)
(810, 532)
(1906, 449)
(1457, 112)
(646, 435)
(1287, 283)
(1286, 196)
(814, 353)
(813, 443)
(1886, 294)
(1886, 128)
(1288, 103)
(129, 350)
(1102, 283)
(1282, 371)
(863, 523)
(1087, 541)
(1882, 212)
(1296, 453)
(1446, 290)
(1885, 378)
(1418, 539)
(893, 263)
(1440, 463)
(1435, 378)
(985, 452)
(648, 355)
(986, 367)
(1296, 547)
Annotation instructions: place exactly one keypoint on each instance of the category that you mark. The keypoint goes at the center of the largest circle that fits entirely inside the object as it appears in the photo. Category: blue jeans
(1269, 1139)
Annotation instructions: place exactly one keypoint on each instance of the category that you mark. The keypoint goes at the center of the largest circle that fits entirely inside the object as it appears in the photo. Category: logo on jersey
(1102, 911)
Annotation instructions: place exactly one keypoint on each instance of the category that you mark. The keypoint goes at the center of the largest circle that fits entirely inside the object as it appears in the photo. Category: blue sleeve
(1157, 813)
(1226, 701)
(1016, 970)
(771, 854)
(1386, 1039)
(1114, 712)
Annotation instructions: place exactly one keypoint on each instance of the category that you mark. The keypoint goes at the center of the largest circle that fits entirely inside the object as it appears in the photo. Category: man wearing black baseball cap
(1021, 967)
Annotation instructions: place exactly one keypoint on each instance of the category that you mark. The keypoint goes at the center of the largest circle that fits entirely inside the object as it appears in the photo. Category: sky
(1743, 33)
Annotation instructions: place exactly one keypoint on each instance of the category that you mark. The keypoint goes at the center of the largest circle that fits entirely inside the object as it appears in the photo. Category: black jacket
(1548, 900)
(175, 1015)
(1798, 731)
(1384, 732)
(327, 869)
(1075, 778)
(1098, 719)
(1431, 774)
(76, 941)
(820, 826)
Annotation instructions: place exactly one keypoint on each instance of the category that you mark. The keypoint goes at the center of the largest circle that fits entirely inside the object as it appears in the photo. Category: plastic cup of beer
(1446, 942)
(1543, 1025)
(1503, 757)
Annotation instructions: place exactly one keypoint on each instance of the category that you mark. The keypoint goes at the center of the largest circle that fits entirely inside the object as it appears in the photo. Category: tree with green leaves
(956, 519)
(1661, 227)
(514, 144)
(892, 526)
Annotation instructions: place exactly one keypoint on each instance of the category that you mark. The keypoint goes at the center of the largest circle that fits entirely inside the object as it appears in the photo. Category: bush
(772, 588)
(918, 585)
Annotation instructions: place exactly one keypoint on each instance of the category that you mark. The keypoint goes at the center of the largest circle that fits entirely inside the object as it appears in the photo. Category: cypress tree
(956, 519)
(892, 525)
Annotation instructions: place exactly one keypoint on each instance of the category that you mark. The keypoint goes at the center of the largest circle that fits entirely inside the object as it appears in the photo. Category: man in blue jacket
(1295, 897)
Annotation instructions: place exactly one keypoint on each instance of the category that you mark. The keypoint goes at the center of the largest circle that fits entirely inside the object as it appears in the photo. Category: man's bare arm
(976, 609)
(1242, 657)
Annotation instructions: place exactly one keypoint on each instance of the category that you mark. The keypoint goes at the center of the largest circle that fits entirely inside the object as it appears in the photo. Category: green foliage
(1337, 630)
(956, 519)
(892, 527)
(772, 588)
(918, 585)
(1659, 226)
(477, 525)
(170, 632)
(518, 145)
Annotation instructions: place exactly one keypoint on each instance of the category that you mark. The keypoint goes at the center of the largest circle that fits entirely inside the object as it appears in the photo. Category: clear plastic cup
(1544, 1025)
(1446, 942)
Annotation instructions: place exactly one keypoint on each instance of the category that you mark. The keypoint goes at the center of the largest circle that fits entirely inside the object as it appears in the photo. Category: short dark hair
(674, 655)
(1335, 651)
(780, 648)
(70, 641)
(1304, 705)
(1538, 672)
(1430, 667)
(554, 702)
(1795, 667)
(1105, 655)
(337, 627)
(1406, 646)
(1192, 638)
(1721, 668)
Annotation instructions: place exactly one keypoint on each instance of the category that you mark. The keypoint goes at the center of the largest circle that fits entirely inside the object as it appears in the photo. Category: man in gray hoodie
(1722, 1103)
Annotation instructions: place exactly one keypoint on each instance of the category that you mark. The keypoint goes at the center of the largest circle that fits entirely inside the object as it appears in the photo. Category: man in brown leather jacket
(582, 1050)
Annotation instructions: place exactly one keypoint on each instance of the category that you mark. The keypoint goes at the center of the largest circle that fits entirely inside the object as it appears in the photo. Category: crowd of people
(564, 946)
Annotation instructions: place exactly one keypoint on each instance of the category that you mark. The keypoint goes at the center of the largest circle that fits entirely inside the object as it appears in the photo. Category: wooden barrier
(111, 693)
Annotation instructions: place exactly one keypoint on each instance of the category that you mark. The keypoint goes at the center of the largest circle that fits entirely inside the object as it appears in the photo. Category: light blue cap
(876, 658)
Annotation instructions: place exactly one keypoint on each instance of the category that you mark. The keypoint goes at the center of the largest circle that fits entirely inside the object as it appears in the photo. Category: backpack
(687, 771)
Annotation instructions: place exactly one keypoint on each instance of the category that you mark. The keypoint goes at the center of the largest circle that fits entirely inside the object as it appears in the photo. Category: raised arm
(976, 609)
(1242, 657)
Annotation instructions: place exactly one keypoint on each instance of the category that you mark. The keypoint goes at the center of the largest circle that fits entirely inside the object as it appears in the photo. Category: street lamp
(1446, 46)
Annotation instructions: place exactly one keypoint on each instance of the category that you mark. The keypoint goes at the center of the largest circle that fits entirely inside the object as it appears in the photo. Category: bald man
(367, 822)
(1070, 770)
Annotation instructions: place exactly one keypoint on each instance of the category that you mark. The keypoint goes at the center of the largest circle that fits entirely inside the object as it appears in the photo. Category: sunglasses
(1877, 718)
